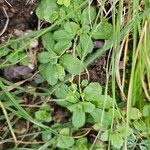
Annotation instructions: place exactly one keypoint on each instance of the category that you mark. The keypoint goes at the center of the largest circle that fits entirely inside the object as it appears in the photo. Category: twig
(8, 3)
(6, 24)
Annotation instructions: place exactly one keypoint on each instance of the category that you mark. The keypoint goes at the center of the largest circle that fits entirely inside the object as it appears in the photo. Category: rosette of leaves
(85, 105)
(56, 44)
(44, 114)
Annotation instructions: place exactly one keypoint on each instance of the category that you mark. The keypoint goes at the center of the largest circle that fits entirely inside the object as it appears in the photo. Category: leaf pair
(79, 112)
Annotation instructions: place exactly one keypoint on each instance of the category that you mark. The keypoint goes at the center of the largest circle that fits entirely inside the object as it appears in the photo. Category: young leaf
(65, 141)
(71, 27)
(103, 31)
(78, 118)
(93, 91)
(64, 2)
(62, 35)
(59, 72)
(43, 115)
(88, 107)
(65, 131)
(47, 10)
(48, 41)
(72, 64)
(135, 114)
(84, 83)
(45, 106)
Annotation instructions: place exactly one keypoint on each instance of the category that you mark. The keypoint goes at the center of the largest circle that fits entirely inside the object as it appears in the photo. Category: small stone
(33, 44)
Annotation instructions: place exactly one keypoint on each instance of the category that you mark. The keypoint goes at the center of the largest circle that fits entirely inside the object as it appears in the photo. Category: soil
(21, 16)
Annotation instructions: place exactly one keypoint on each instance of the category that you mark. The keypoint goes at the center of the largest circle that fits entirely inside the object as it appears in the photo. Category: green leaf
(71, 27)
(88, 15)
(103, 31)
(85, 29)
(46, 136)
(4, 51)
(64, 2)
(47, 72)
(113, 112)
(47, 10)
(146, 111)
(43, 115)
(93, 91)
(140, 125)
(13, 57)
(45, 57)
(59, 72)
(121, 129)
(135, 114)
(81, 144)
(65, 141)
(76, 14)
(48, 41)
(105, 136)
(75, 107)
(45, 107)
(72, 97)
(88, 107)
(62, 35)
(109, 102)
(97, 126)
(97, 114)
(86, 44)
(78, 118)
(116, 140)
(25, 60)
(62, 91)
(65, 131)
(72, 64)
(84, 83)
(62, 46)
(74, 87)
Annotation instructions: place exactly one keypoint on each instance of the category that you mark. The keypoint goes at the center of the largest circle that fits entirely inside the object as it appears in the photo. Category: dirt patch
(97, 70)
(20, 13)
